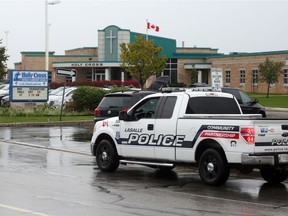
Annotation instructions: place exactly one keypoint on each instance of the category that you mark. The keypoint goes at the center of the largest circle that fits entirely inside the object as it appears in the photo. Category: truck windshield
(212, 105)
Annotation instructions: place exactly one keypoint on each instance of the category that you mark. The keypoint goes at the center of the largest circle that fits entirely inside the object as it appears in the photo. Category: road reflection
(73, 138)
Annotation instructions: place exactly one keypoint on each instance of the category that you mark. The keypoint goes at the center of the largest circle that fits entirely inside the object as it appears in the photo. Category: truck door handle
(150, 127)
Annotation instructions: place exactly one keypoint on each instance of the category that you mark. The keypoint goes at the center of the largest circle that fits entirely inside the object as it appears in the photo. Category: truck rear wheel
(106, 156)
(213, 168)
(274, 175)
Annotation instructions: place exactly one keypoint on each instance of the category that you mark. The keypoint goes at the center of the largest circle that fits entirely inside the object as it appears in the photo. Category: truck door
(165, 128)
(137, 134)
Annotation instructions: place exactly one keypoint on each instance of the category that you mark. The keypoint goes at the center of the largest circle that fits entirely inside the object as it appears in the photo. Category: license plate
(283, 158)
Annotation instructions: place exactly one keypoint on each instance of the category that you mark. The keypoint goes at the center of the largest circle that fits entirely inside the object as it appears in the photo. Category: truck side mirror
(255, 100)
(123, 115)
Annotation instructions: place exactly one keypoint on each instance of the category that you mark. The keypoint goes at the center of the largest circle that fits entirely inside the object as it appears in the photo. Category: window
(212, 105)
(242, 76)
(255, 77)
(98, 74)
(168, 107)
(285, 76)
(171, 70)
(228, 76)
(146, 109)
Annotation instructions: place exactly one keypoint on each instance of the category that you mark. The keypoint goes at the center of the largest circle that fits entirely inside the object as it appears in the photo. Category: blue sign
(29, 78)
(29, 86)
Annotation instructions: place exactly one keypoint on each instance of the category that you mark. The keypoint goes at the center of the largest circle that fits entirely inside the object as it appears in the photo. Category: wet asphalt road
(49, 171)
(35, 181)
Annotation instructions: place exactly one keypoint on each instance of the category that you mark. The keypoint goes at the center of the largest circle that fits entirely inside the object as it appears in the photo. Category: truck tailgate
(271, 135)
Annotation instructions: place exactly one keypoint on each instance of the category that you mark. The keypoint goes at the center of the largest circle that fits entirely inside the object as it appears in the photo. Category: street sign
(216, 78)
(66, 72)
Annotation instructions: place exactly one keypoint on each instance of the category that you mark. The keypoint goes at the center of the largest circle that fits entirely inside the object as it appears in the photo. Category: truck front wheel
(106, 156)
(274, 175)
(213, 168)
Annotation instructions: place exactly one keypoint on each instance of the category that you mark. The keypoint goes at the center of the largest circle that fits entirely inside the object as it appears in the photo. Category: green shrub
(43, 110)
(87, 98)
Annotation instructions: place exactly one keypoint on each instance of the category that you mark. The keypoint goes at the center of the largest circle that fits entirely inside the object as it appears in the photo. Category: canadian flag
(152, 26)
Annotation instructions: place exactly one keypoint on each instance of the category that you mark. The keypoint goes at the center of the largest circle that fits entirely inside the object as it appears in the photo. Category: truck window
(146, 109)
(168, 107)
(212, 105)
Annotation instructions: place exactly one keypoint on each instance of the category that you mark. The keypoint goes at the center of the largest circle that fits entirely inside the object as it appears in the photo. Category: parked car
(159, 83)
(55, 91)
(5, 101)
(112, 103)
(56, 100)
(247, 104)
(4, 91)
(2, 85)
(199, 85)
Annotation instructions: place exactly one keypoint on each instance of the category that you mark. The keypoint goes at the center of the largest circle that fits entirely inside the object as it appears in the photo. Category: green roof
(241, 54)
(196, 55)
(114, 26)
(36, 53)
(168, 45)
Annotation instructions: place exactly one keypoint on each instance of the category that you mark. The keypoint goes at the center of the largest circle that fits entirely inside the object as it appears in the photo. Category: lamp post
(7, 32)
(47, 31)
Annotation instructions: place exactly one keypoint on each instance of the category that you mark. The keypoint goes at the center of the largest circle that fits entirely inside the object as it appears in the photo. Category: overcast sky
(230, 26)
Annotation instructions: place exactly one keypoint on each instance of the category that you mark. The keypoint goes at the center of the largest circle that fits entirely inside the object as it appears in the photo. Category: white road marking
(13, 208)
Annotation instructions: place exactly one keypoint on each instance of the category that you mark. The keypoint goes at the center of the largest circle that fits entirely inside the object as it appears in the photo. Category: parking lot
(50, 171)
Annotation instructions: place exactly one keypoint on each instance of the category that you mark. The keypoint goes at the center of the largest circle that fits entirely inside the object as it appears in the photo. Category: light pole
(7, 32)
(47, 31)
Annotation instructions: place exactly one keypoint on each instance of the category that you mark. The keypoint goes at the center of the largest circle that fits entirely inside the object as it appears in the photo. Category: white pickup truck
(206, 129)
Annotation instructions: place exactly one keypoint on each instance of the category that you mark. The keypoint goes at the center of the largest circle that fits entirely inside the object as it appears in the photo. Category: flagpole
(146, 29)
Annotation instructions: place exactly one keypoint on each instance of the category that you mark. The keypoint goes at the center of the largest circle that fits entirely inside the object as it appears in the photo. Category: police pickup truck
(206, 129)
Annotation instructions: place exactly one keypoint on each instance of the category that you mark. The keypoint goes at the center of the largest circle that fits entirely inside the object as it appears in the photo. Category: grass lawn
(273, 100)
(21, 119)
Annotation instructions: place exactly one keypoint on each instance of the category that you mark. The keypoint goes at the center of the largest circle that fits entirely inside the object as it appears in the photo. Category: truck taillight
(97, 112)
(248, 134)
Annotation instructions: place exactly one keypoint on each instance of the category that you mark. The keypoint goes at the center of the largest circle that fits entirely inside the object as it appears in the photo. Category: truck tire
(274, 175)
(106, 156)
(213, 168)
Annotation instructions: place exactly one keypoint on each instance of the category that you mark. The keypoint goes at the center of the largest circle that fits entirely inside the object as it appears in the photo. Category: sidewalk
(88, 123)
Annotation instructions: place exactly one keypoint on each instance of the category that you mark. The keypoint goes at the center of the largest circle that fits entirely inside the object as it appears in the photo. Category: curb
(45, 147)
(87, 123)
(275, 109)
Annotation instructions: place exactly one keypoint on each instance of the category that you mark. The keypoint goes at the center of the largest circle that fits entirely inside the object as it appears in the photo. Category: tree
(3, 59)
(194, 74)
(269, 72)
(141, 59)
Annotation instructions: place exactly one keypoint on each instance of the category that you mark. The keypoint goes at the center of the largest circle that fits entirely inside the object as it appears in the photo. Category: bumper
(92, 149)
(96, 119)
(265, 159)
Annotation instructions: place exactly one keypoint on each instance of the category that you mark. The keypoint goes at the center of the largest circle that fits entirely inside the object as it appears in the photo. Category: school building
(240, 70)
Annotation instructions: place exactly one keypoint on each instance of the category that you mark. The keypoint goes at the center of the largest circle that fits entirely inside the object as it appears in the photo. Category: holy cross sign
(111, 37)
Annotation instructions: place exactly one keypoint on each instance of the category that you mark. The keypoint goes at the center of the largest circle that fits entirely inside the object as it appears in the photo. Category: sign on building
(216, 78)
(28, 86)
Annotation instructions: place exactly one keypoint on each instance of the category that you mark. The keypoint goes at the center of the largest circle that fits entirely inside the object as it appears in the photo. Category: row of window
(254, 76)
(98, 74)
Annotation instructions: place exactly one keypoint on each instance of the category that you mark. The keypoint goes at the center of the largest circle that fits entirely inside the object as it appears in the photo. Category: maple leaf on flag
(152, 26)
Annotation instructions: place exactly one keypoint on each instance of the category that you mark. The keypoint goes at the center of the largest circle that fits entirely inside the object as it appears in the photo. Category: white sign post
(65, 72)
(216, 78)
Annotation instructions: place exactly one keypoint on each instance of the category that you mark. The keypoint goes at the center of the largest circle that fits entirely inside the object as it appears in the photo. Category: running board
(146, 163)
